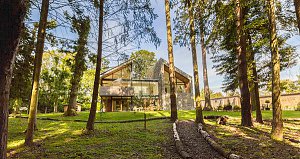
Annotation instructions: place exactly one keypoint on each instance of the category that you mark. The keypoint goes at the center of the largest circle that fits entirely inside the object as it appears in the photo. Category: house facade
(120, 90)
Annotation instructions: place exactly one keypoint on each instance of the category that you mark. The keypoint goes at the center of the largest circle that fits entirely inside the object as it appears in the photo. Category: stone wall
(288, 101)
(216, 102)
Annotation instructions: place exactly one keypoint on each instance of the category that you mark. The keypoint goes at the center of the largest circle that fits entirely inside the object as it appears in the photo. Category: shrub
(298, 107)
(220, 107)
(236, 108)
(227, 107)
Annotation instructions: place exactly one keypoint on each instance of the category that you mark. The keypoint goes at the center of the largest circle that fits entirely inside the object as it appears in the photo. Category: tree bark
(277, 123)
(297, 9)
(92, 116)
(37, 72)
(207, 105)
(253, 82)
(242, 66)
(83, 31)
(12, 13)
(171, 63)
(199, 115)
(256, 90)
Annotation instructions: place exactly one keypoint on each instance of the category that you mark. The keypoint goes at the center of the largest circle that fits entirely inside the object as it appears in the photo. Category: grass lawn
(255, 142)
(106, 116)
(65, 139)
(182, 115)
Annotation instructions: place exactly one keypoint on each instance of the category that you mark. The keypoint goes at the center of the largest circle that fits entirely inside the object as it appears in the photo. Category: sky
(182, 55)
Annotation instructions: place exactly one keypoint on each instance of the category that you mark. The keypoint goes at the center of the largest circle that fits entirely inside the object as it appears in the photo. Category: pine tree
(37, 72)
(199, 115)
(171, 63)
(242, 64)
(92, 115)
(277, 123)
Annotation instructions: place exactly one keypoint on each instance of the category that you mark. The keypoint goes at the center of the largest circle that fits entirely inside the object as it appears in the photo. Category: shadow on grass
(253, 142)
(67, 140)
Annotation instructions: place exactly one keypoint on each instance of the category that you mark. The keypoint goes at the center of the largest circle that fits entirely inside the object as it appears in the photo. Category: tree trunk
(277, 123)
(242, 67)
(253, 82)
(92, 116)
(199, 116)
(37, 72)
(83, 31)
(171, 63)
(207, 105)
(12, 13)
(256, 90)
(297, 9)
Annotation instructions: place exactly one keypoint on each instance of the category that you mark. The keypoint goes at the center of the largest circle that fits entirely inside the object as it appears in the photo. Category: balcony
(116, 91)
(127, 91)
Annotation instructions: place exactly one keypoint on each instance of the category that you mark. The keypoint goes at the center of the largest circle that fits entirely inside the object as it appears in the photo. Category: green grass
(107, 116)
(182, 115)
(255, 142)
(62, 139)
(68, 140)
(267, 115)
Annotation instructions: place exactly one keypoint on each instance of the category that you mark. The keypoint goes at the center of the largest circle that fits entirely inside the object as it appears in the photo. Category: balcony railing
(116, 91)
(127, 91)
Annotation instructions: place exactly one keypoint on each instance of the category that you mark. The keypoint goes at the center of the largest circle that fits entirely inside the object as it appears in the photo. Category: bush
(227, 107)
(236, 108)
(298, 107)
(220, 107)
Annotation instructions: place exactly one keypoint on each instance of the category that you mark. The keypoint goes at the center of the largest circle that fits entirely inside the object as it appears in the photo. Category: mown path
(194, 143)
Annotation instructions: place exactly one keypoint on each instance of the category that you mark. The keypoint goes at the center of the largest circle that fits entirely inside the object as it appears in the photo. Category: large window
(145, 88)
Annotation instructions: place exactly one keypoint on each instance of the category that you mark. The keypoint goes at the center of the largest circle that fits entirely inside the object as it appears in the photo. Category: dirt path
(194, 143)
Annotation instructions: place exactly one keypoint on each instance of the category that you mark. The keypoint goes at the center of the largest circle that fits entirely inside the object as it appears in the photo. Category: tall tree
(12, 13)
(297, 9)
(92, 115)
(242, 64)
(253, 81)
(37, 72)
(277, 123)
(199, 115)
(171, 63)
(200, 11)
(81, 26)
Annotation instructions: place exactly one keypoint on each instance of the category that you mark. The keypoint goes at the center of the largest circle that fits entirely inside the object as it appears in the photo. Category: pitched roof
(176, 69)
(129, 62)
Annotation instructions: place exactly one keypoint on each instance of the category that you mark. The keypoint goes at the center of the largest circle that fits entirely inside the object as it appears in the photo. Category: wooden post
(145, 120)
(101, 104)
(112, 104)
(131, 103)
(121, 104)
